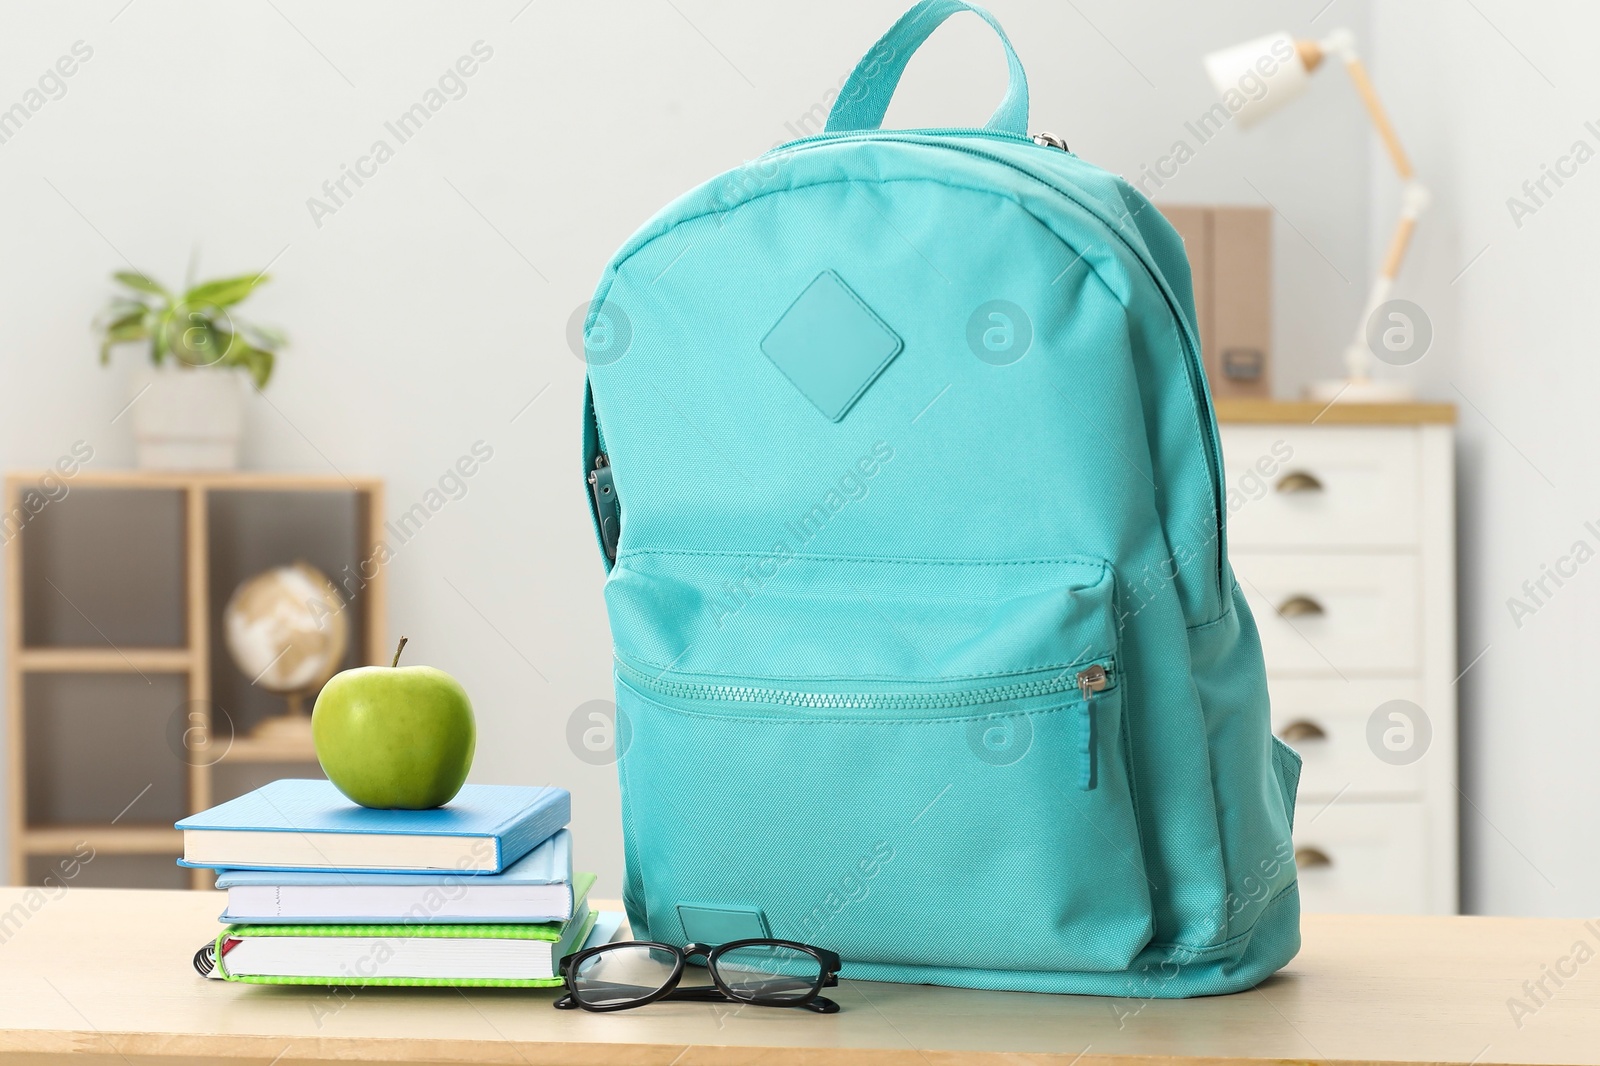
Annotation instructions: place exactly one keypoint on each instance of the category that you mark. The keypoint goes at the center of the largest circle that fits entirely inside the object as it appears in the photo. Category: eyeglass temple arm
(817, 1004)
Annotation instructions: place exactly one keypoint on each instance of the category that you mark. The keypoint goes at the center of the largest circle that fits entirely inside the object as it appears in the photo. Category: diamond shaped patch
(830, 345)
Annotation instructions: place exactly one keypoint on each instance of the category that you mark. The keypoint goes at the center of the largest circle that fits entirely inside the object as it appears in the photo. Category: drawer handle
(1311, 858)
(1300, 606)
(1298, 481)
(1302, 730)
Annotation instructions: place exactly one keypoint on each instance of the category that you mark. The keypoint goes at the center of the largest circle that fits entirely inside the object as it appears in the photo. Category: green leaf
(122, 332)
(129, 330)
(257, 361)
(134, 280)
(126, 318)
(123, 306)
(200, 342)
(263, 336)
(159, 337)
(225, 292)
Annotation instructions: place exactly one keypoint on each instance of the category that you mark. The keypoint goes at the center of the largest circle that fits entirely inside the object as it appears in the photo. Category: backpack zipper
(1093, 678)
(1191, 357)
(607, 512)
(1042, 139)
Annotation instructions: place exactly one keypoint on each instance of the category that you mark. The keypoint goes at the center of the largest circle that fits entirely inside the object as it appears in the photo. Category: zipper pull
(607, 513)
(1091, 679)
(1050, 140)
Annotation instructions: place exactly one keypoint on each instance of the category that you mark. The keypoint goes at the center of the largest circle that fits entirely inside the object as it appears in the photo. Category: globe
(286, 629)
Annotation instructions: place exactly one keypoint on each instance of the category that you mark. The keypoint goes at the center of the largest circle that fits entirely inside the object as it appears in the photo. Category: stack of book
(324, 892)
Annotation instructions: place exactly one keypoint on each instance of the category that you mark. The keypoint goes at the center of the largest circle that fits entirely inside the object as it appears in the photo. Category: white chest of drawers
(1342, 535)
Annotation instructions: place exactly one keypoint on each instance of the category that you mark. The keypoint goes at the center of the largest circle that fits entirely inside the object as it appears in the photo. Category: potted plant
(186, 405)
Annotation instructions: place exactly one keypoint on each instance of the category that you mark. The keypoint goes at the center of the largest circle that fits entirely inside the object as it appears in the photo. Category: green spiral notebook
(496, 956)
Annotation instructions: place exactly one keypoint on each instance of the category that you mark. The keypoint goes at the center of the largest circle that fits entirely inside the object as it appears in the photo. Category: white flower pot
(187, 418)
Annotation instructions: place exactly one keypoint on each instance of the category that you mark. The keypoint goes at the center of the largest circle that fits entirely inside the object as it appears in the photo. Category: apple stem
(397, 652)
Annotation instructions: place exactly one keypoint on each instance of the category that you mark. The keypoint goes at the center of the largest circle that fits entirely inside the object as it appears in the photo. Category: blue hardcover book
(539, 887)
(310, 825)
(607, 928)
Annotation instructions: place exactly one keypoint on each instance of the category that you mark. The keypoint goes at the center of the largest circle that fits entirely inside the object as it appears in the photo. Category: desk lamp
(1284, 66)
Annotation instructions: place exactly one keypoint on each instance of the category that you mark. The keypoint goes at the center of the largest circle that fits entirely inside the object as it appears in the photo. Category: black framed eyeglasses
(762, 973)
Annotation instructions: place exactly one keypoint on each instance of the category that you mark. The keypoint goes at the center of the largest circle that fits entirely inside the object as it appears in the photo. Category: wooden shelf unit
(246, 750)
(193, 660)
(113, 839)
(1337, 413)
(104, 660)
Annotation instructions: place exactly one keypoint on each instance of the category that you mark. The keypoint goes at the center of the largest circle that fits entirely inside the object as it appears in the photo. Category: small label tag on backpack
(707, 924)
(830, 345)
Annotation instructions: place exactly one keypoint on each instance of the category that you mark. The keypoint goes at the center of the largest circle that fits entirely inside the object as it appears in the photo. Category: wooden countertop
(1338, 413)
(105, 974)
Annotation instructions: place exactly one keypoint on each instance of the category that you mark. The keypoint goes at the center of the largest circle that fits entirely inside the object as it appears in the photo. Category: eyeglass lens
(769, 972)
(622, 974)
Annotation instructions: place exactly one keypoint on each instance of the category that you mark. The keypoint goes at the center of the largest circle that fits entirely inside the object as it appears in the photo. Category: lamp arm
(1380, 118)
(1357, 357)
(1415, 198)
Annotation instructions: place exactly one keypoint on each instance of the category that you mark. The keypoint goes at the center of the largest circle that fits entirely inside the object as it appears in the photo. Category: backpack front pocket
(911, 763)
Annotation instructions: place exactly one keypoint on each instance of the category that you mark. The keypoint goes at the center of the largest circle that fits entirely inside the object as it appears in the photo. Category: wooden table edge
(259, 1048)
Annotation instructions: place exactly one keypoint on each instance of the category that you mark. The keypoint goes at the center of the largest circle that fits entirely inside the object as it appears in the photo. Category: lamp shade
(1256, 78)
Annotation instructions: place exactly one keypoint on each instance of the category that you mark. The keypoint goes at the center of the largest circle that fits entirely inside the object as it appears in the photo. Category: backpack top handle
(864, 99)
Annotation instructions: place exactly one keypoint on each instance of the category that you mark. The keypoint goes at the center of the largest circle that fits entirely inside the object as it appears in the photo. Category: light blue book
(309, 825)
(539, 887)
(607, 928)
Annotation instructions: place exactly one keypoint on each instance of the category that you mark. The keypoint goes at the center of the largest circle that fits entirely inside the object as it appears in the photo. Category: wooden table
(106, 974)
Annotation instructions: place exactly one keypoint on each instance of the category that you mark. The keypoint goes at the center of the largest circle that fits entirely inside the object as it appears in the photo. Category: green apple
(395, 737)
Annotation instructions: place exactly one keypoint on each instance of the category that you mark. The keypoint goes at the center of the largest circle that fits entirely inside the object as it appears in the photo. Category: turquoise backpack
(927, 646)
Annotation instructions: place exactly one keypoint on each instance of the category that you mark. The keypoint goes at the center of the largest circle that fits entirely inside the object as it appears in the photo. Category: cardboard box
(1230, 258)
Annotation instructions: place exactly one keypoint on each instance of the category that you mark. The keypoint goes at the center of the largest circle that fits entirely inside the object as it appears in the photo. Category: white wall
(1486, 98)
(432, 306)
